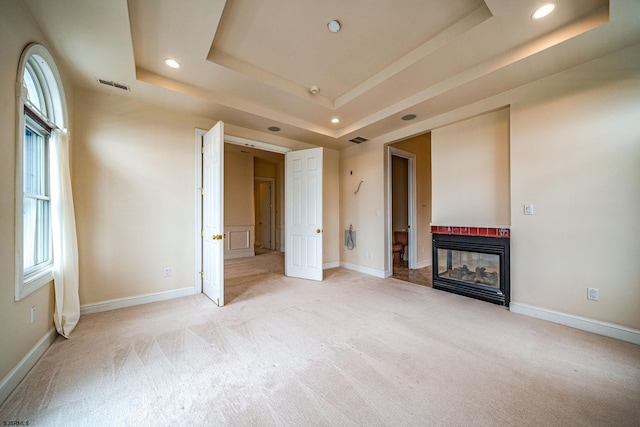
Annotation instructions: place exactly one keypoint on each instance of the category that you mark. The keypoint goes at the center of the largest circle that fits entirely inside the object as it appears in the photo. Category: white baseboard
(365, 270)
(13, 378)
(423, 264)
(590, 325)
(115, 304)
(327, 265)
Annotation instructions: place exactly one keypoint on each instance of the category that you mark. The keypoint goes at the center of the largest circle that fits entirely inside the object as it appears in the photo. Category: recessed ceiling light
(409, 117)
(274, 128)
(335, 120)
(543, 11)
(172, 63)
(333, 25)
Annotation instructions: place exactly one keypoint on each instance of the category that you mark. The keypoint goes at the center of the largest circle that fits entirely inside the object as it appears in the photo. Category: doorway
(312, 161)
(412, 160)
(402, 210)
(241, 144)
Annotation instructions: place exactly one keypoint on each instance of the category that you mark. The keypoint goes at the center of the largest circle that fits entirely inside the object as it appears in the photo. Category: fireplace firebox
(474, 266)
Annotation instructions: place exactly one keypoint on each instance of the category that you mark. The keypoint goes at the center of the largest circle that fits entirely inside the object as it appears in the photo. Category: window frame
(44, 131)
(52, 99)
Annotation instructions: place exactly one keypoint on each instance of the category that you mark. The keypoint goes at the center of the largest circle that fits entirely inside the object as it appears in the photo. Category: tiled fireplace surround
(471, 231)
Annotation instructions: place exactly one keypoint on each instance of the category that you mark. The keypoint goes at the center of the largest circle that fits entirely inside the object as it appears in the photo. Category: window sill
(33, 282)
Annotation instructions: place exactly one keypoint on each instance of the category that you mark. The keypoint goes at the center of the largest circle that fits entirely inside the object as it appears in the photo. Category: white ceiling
(251, 63)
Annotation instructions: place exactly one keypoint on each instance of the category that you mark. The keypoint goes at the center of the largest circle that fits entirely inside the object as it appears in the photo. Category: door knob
(217, 237)
(318, 231)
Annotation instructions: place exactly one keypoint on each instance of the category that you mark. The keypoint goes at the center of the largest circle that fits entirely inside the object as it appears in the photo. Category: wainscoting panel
(239, 242)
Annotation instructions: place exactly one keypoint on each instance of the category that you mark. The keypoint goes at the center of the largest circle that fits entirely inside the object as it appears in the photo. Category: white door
(265, 214)
(212, 214)
(303, 214)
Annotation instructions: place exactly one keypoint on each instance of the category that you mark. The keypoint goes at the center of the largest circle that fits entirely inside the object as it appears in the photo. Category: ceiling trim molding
(467, 23)
(231, 139)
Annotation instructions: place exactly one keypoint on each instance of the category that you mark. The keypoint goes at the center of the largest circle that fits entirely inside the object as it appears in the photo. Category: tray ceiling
(251, 62)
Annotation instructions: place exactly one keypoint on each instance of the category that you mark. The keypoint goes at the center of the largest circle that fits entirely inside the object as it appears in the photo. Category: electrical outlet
(593, 294)
(34, 314)
(528, 209)
(166, 272)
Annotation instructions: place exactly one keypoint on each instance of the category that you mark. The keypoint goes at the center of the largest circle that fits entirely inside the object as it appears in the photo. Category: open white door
(303, 218)
(212, 214)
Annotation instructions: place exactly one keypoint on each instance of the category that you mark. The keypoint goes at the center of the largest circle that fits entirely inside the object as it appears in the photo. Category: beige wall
(134, 181)
(238, 189)
(421, 147)
(134, 190)
(264, 169)
(366, 209)
(471, 171)
(17, 335)
(575, 155)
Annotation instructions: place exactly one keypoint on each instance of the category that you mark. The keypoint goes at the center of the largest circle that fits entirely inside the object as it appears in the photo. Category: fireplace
(473, 262)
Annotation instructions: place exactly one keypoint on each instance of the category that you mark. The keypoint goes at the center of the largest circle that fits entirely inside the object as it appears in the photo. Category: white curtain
(65, 242)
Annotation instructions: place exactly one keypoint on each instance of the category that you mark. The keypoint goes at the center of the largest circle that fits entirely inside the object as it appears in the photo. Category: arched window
(41, 111)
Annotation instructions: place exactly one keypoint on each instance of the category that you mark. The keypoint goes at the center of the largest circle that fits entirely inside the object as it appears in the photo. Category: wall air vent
(114, 84)
(358, 139)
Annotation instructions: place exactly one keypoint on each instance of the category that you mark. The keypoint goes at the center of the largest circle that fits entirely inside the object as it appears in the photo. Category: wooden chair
(401, 239)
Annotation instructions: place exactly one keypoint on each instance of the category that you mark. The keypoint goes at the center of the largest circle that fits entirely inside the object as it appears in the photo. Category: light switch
(528, 209)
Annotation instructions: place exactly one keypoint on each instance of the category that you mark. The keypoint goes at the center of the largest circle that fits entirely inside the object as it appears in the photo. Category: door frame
(411, 208)
(198, 145)
(272, 201)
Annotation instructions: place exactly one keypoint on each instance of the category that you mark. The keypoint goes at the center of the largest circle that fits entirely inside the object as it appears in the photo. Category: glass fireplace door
(470, 267)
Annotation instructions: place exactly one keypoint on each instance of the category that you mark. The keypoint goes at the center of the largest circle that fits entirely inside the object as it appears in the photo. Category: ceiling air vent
(358, 139)
(113, 84)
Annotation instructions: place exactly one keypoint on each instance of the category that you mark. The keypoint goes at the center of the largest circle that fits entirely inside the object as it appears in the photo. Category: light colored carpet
(352, 350)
